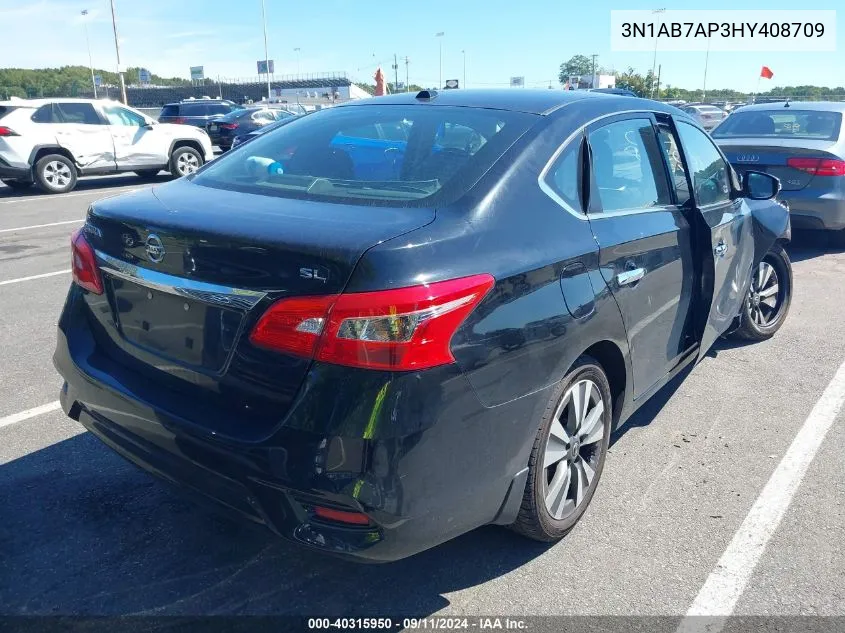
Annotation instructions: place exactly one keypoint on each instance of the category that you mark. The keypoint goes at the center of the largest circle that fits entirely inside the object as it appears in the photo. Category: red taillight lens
(341, 516)
(180, 120)
(7, 131)
(400, 330)
(818, 166)
(229, 126)
(84, 264)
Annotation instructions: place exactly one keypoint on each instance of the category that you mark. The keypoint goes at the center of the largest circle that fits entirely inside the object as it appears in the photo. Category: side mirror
(758, 185)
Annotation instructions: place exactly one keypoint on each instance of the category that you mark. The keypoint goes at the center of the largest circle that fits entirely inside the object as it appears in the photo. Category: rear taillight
(402, 329)
(341, 516)
(229, 126)
(818, 166)
(7, 131)
(84, 264)
(180, 120)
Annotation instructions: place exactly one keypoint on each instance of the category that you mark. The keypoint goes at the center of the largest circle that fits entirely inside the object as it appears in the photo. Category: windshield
(782, 123)
(386, 153)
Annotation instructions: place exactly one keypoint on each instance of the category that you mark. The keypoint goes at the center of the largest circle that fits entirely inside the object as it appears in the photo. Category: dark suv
(197, 112)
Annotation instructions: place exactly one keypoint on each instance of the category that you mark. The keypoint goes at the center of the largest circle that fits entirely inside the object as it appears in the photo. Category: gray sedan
(708, 116)
(802, 144)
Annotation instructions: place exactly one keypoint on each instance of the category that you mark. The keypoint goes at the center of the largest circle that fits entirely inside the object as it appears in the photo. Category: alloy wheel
(573, 448)
(57, 174)
(764, 295)
(187, 163)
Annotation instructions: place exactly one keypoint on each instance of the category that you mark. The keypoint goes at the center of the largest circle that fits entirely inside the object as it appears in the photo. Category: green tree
(576, 65)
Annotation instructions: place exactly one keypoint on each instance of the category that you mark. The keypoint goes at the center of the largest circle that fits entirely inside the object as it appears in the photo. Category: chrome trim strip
(205, 292)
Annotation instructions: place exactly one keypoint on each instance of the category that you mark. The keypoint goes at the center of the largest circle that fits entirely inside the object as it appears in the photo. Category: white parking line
(723, 588)
(29, 413)
(105, 192)
(31, 277)
(41, 226)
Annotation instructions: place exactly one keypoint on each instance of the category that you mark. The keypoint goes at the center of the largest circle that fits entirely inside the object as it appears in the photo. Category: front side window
(782, 123)
(218, 108)
(80, 113)
(711, 177)
(341, 154)
(121, 116)
(627, 166)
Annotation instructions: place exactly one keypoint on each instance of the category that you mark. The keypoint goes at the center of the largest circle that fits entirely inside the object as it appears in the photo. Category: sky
(501, 39)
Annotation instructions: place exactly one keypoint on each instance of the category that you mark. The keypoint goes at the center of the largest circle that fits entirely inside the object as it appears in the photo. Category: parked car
(196, 112)
(708, 116)
(223, 130)
(242, 138)
(802, 144)
(52, 142)
(371, 367)
(622, 92)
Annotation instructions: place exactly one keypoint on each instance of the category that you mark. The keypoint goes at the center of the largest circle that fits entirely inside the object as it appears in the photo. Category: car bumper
(14, 172)
(814, 211)
(419, 486)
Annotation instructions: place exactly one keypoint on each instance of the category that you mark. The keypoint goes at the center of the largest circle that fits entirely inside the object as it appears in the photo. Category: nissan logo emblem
(155, 249)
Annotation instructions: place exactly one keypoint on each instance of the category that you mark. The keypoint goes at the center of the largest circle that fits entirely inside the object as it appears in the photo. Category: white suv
(51, 142)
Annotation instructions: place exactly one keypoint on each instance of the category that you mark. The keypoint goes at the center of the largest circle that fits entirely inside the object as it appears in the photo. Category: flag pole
(756, 90)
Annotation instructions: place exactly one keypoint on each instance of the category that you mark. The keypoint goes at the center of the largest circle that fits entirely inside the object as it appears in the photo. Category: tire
(762, 316)
(147, 174)
(184, 161)
(18, 185)
(55, 173)
(554, 498)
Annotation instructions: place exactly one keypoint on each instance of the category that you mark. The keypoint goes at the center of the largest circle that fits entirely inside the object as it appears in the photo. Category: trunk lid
(771, 155)
(188, 270)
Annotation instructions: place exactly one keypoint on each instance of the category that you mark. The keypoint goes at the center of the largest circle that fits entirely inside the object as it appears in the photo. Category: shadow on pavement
(88, 184)
(810, 244)
(83, 532)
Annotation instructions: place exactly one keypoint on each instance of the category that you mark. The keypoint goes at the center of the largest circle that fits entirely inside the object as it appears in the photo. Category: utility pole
(594, 70)
(88, 44)
(266, 54)
(465, 67)
(654, 61)
(440, 40)
(395, 74)
(117, 52)
(659, 68)
(706, 59)
(407, 81)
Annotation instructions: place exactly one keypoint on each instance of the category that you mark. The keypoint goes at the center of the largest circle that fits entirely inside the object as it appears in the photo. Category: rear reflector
(6, 131)
(84, 264)
(401, 330)
(341, 516)
(818, 166)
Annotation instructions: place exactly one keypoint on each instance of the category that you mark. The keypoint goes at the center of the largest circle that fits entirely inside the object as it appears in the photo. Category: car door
(84, 133)
(728, 227)
(136, 142)
(646, 253)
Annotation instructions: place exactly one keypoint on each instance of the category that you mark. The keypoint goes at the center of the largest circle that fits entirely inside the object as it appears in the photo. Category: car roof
(183, 101)
(37, 103)
(514, 99)
(824, 106)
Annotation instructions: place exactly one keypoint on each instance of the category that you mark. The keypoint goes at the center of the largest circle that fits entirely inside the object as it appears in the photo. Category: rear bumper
(14, 172)
(809, 210)
(419, 486)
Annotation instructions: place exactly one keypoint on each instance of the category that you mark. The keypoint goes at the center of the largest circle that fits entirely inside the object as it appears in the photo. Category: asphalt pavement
(83, 532)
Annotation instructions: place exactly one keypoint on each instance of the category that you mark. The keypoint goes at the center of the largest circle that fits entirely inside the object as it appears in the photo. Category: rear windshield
(782, 123)
(388, 154)
(4, 110)
(169, 110)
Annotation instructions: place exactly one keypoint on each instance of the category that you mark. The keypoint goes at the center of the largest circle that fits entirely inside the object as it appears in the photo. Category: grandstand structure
(327, 87)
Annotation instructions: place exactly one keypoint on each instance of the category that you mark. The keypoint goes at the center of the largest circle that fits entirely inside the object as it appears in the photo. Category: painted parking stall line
(33, 277)
(718, 597)
(40, 226)
(29, 413)
(94, 192)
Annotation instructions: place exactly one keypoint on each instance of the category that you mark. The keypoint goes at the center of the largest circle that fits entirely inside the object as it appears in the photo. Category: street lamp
(297, 51)
(654, 62)
(464, 53)
(84, 14)
(706, 59)
(117, 52)
(439, 37)
(266, 54)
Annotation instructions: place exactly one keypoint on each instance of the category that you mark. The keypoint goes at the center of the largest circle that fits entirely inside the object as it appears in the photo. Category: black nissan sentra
(393, 321)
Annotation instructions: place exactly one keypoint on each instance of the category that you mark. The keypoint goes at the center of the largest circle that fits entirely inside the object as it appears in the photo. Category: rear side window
(563, 177)
(4, 110)
(782, 123)
(627, 166)
(83, 113)
(342, 154)
(169, 110)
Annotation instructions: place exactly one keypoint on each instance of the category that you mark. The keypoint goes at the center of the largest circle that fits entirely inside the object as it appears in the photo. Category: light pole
(84, 13)
(464, 52)
(439, 37)
(654, 62)
(266, 54)
(297, 51)
(117, 52)
(706, 59)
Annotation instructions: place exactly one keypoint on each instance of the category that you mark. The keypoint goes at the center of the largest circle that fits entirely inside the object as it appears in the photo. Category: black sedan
(222, 131)
(397, 320)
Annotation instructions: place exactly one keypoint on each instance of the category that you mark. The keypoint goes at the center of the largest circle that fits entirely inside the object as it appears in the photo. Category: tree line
(67, 81)
(630, 79)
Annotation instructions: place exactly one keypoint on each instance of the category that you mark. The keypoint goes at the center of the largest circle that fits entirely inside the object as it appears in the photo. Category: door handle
(721, 249)
(630, 276)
